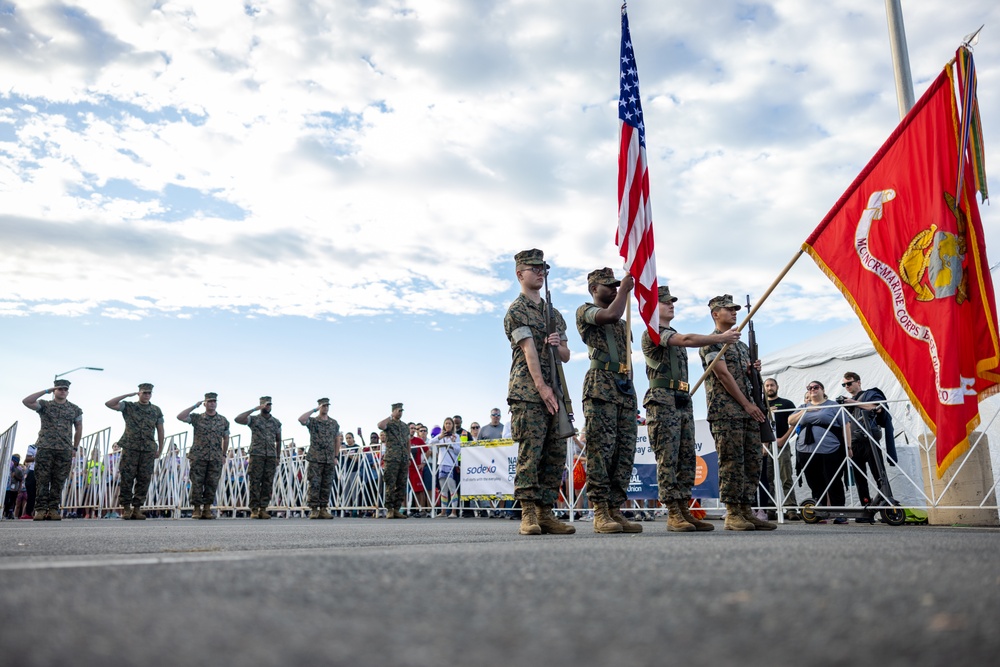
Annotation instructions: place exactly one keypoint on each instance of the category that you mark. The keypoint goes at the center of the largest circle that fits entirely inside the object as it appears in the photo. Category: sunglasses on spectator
(813, 387)
(494, 414)
(847, 384)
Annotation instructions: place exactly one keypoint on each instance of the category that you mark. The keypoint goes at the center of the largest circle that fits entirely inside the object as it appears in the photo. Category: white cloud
(357, 158)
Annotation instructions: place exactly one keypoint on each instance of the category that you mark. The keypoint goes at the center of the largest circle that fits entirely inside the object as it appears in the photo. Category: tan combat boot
(735, 520)
(549, 524)
(196, 512)
(53, 515)
(206, 512)
(603, 523)
(126, 514)
(262, 513)
(40, 515)
(324, 513)
(314, 513)
(685, 508)
(529, 519)
(137, 514)
(619, 518)
(758, 524)
(676, 522)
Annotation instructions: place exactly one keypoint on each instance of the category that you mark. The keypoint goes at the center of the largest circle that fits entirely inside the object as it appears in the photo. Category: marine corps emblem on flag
(918, 277)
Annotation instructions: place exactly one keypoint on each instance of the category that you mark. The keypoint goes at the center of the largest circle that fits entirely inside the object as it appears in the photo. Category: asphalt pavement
(474, 592)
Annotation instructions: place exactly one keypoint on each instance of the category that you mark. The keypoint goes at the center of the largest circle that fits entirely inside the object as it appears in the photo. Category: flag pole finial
(972, 38)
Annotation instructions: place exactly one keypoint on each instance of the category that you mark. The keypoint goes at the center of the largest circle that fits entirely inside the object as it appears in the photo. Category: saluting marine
(265, 445)
(59, 437)
(210, 432)
(324, 445)
(139, 450)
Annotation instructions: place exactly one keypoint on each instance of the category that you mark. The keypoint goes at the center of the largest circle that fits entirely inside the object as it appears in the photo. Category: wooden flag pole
(760, 302)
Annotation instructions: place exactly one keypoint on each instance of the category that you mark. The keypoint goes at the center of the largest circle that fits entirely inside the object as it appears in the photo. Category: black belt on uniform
(661, 383)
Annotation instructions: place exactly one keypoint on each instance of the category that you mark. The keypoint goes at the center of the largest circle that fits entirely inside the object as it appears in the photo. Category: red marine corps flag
(635, 217)
(906, 249)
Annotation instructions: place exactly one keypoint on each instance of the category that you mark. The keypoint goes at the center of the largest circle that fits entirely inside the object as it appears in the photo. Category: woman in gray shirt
(819, 447)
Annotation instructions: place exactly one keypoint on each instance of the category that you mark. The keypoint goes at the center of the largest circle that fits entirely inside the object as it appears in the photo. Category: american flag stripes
(635, 218)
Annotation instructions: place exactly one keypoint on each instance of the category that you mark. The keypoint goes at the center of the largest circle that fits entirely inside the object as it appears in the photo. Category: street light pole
(79, 368)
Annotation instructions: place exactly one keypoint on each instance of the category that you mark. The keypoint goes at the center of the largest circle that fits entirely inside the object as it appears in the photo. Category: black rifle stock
(565, 414)
(757, 384)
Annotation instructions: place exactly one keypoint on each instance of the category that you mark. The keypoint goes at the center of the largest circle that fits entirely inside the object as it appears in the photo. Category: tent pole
(760, 302)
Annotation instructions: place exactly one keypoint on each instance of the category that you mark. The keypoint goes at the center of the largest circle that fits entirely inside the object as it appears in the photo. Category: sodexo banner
(488, 468)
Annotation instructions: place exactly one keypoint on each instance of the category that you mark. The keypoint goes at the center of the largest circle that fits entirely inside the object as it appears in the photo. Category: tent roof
(843, 343)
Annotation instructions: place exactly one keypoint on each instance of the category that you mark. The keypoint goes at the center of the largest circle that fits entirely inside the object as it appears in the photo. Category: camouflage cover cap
(145, 386)
(724, 301)
(211, 396)
(530, 257)
(265, 400)
(603, 276)
(61, 383)
(664, 295)
(397, 406)
(323, 401)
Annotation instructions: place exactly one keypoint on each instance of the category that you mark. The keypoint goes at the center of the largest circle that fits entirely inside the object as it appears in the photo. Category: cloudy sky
(310, 199)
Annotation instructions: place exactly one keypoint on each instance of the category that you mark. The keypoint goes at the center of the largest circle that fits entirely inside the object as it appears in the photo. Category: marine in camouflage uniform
(670, 414)
(609, 401)
(207, 454)
(396, 460)
(265, 446)
(59, 437)
(541, 454)
(324, 444)
(139, 450)
(733, 417)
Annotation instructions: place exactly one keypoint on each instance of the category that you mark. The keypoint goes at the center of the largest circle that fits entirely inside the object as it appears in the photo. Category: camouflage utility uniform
(396, 457)
(206, 456)
(541, 454)
(265, 440)
(736, 434)
(609, 405)
(670, 416)
(139, 451)
(54, 453)
(322, 459)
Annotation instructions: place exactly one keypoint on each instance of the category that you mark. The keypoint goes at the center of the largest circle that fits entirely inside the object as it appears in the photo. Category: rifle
(565, 413)
(757, 384)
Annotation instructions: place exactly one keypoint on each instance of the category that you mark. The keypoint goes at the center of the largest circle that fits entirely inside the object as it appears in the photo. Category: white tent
(828, 356)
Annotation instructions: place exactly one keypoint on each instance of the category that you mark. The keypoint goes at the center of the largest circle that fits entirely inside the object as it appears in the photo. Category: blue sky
(323, 199)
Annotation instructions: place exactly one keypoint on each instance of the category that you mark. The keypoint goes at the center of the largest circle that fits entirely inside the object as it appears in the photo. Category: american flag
(635, 218)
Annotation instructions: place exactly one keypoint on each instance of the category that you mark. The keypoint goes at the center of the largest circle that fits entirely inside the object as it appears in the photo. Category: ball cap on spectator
(323, 401)
(145, 386)
(265, 400)
(603, 276)
(724, 301)
(397, 406)
(533, 257)
(664, 294)
(61, 383)
(16, 457)
(211, 396)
